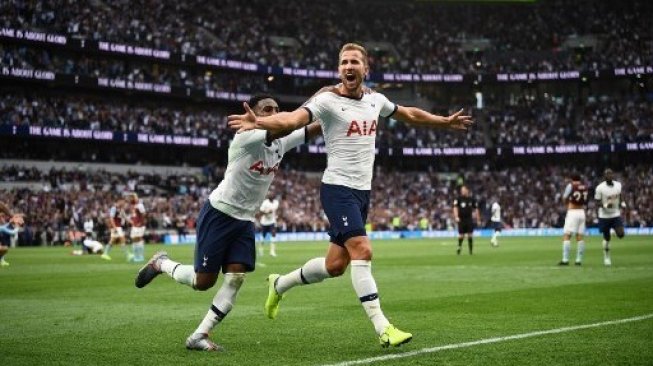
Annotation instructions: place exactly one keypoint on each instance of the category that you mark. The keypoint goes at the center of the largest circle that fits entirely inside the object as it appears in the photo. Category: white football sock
(182, 273)
(273, 251)
(313, 271)
(365, 287)
(139, 250)
(222, 302)
(566, 247)
(580, 251)
(606, 249)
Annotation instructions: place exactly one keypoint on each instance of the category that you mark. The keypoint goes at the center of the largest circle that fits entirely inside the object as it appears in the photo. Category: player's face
(352, 69)
(266, 107)
(609, 175)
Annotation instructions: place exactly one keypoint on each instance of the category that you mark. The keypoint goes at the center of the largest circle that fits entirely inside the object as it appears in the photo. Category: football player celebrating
(348, 116)
(225, 225)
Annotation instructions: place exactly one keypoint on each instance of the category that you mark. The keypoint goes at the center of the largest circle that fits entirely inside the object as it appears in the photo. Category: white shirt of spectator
(496, 212)
(251, 167)
(88, 226)
(269, 210)
(609, 196)
(349, 127)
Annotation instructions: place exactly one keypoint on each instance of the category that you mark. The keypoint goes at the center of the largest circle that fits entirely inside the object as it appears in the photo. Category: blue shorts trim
(612, 223)
(222, 240)
(346, 208)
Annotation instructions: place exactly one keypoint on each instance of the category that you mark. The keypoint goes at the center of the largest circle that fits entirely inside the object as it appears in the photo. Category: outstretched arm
(420, 117)
(276, 123)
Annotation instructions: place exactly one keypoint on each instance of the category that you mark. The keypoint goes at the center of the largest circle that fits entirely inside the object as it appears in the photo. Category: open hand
(242, 122)
(459, 122)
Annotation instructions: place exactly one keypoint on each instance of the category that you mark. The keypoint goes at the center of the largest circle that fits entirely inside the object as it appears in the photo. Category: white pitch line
(487, 341)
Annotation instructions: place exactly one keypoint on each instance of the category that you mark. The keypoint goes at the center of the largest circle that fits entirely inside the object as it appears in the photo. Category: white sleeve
(387, 107)
(263, 206)
(140, 207)
(597, 193)
(275, 205)
(567, 192)
(317, 107)
(247, 138)
(293, 140)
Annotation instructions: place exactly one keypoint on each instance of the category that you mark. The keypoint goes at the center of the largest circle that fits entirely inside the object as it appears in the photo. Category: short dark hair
(253, 101)
(575, 177)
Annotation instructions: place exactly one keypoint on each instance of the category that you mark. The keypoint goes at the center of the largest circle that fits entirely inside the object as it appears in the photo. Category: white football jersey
(88, 226)
(610, 197)
(250, 169)
(496, 212)
(93, 245)
(349, 127)
(269, 210)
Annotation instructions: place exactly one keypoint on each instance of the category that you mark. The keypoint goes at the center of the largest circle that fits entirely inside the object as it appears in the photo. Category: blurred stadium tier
(101, 98)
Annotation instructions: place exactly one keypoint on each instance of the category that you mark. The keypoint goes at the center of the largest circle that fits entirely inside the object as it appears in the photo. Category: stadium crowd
(600, 120)
(530, 198)
(129, 70)
(428, 38)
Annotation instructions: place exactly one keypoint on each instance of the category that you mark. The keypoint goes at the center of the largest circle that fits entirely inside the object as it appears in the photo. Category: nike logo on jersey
(344, 109)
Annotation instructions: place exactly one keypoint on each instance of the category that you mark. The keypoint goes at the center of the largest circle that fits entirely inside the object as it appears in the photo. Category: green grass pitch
(58, 309)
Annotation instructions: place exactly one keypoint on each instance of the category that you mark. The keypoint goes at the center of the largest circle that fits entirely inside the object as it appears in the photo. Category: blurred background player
(608, 193)
(268, 222)
(117, 218)
(9, 224)
(89, 227)
(465, 208)
(495, 222)
(575, 197)
(225, 225)
(137, 231)
(90, 247)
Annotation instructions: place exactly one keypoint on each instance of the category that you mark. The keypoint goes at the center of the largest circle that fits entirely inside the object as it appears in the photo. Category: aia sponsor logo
(262, 169)
(362, 128)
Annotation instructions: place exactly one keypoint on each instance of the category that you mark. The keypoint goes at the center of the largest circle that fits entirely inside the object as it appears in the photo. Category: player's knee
(606, 235)
(204, 283)
(620, 233)
(359, 248)
(336, 267)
